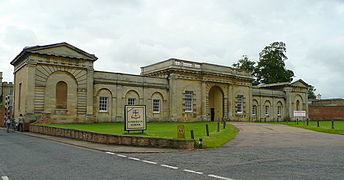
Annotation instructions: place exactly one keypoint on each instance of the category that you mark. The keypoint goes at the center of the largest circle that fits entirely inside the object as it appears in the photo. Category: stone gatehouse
(57, 83)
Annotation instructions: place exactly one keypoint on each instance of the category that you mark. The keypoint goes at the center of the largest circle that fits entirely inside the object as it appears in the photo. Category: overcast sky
(126, 35)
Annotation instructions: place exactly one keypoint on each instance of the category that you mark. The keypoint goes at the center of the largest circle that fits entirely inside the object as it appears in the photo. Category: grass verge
(165, 130)
(324, 126)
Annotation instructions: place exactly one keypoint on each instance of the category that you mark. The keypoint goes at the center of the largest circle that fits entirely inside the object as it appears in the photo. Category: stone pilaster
(204, 101)
(30, 88)
(89, 111)
(289, 104)
(173, 104)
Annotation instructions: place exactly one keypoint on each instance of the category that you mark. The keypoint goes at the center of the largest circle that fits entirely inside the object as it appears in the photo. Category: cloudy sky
(126, 35)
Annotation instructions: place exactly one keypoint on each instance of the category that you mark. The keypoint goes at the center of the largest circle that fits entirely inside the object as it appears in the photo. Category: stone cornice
(128, 83)
(199, 72)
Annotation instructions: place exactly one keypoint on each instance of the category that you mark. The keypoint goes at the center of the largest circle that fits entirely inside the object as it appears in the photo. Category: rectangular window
(279, 110)
(156, 105)
(254, 110)
(267, 110)
(240, 104)
(103, 104)
(188, 101)
(131, 101)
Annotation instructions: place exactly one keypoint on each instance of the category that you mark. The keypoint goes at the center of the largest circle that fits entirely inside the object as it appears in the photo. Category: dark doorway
(212, 114)
(215, 104)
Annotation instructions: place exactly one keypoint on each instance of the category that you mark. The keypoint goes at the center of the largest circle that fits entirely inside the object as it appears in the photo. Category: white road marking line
(191, 171)
(4, 178)
(219, 177)
(120, 155)
(168, 166)
(132, 158)
(150, 162)
(110, 152)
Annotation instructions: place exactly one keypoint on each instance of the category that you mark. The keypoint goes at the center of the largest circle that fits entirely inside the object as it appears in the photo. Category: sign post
(135, 118)
(181, 131)
(299, 113)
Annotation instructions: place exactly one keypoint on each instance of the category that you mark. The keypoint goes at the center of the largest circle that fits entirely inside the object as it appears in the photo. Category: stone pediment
(60, 50)
(300, 83)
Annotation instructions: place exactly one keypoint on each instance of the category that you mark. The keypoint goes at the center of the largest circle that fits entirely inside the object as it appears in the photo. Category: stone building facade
(57, 83)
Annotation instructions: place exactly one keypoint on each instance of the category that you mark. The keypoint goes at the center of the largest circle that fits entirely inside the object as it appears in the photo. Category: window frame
(154, 106)
(102, 102)
(267, 110)
(130, 100)
(254, 110)
(188, 101)
(239, 108)
(279, 110)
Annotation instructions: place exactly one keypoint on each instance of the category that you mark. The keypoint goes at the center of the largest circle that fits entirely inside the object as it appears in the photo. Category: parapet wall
(114, 139)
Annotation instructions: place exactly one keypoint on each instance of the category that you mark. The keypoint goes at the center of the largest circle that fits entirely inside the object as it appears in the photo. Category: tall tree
(311, 92)
(245, 64)
(271, 66)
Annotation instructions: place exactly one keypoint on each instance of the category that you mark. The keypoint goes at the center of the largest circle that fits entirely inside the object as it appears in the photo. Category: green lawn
(164, 129)
(324, 126)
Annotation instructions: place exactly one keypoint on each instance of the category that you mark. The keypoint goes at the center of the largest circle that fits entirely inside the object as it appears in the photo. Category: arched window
(61, 95)
(297, 105)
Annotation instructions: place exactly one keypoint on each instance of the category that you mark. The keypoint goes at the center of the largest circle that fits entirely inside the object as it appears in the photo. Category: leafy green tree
(271, 66)
(311, 92)
(245, 64)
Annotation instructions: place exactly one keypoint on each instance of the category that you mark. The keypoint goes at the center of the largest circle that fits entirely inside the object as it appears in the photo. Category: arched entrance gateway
(215, 108)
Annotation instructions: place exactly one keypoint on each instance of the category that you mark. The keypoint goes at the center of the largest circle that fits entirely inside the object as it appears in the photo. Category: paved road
(259, 151)
(24, 157)
(263, 151)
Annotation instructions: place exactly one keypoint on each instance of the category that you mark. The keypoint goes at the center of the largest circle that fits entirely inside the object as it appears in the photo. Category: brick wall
(318, 112)
(114, 139)
(2, 116)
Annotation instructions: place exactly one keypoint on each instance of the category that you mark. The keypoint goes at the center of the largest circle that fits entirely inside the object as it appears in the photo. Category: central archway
(215, 104)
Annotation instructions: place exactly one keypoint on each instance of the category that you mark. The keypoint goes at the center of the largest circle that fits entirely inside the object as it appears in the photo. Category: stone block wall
(114, 139)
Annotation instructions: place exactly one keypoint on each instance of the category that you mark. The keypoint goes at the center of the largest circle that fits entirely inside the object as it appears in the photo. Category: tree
(245, 64)
(271, 66)
(311, 92)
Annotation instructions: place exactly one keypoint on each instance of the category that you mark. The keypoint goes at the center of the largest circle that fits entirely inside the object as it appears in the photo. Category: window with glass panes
(254, 110)
(240, 104)
(156, 105)
(279, 110)
(131, 101)
(188, 101)
(267, 110)
(103, 103)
